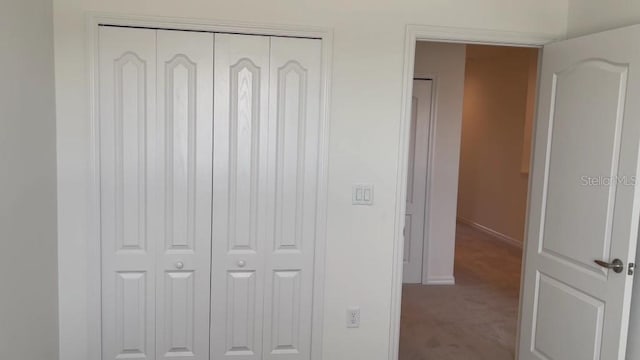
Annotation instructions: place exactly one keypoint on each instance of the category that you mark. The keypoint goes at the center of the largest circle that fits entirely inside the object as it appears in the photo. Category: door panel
(414, 226)
(155, 192)
(584, 200)
(289, 242)
(239, 189)
(127, 108)
(182, 202)
(265, 183)
(180, 310)
(130, 313)
(241, 312)
(577, 91)
(244, 131)
(581, 321)
(285, 312)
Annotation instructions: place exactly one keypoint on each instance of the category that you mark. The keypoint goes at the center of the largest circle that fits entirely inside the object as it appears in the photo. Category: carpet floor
(476, 318)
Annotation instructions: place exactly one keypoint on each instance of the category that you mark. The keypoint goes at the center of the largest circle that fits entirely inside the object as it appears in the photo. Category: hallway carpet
(472, 320)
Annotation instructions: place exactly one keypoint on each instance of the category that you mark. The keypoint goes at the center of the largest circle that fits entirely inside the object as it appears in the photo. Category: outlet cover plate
(353, 317)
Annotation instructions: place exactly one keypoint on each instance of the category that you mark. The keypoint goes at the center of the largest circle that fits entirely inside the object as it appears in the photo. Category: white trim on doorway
(93, 21)
(416, 33)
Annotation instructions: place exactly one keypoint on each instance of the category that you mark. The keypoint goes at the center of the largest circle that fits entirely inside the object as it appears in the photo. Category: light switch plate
(353, 317)
(362, 194)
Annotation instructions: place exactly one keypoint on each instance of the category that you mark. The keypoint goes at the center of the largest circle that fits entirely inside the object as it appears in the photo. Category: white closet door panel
(127, 110)
(294, 114)
(239, 188)
(414, 226)
(182, 193)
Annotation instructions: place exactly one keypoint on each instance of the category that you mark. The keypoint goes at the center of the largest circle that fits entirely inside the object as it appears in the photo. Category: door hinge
(631, 268)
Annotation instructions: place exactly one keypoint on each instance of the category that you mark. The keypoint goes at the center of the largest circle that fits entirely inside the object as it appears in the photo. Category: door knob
(179, 265)
(616, 265)
(241, 263)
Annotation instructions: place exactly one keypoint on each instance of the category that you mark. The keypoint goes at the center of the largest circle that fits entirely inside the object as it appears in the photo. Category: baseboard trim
(440, 280)
(496, 234)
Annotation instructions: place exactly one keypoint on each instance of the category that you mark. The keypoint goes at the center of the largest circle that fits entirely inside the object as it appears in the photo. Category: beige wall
(492, 189)
(28, 254)
(445, 64)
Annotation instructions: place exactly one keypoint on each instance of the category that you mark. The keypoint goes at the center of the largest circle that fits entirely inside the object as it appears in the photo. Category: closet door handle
(241, 263)
(179, 265)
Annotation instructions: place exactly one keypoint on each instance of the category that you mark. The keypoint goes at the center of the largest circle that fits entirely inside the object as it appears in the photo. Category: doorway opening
(468, 164)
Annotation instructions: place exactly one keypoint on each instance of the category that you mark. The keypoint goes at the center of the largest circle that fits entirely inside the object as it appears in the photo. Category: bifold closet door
(173, 149)
(127, 111)
(239, 188)
(184, 151)
(294, 130)
(156, 143)
(266, 131)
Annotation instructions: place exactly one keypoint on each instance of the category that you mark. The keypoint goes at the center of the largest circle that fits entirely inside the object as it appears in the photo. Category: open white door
(584, 203)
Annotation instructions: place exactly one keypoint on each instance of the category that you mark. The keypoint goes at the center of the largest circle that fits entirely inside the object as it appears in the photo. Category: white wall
(366, 104)
(445, 64)
(589, 16)
(28, 257)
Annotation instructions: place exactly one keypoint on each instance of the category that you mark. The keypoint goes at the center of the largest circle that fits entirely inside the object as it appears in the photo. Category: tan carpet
(474, 319)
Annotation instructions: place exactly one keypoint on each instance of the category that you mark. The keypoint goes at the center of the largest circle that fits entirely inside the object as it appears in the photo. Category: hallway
(476, 318)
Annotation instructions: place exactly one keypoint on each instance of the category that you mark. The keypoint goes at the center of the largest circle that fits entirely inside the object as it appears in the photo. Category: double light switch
(362, 194)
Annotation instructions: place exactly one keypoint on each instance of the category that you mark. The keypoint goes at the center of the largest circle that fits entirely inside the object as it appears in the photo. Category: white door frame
(94, 20)
(415, 33)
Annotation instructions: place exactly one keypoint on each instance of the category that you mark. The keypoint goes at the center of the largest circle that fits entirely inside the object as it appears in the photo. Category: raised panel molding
(180, 142)
(241, 304)
(244, 130)
(285, 324)
(291, 126)
(613, 81)
(579, 311)
(131, 299)
(179, 308)
(130, 171)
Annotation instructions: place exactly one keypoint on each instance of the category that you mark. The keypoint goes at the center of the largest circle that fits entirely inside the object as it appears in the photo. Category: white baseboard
(440, 280)
(496, 234)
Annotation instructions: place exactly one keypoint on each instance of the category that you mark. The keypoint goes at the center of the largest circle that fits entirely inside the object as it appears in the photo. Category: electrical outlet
(353, 317)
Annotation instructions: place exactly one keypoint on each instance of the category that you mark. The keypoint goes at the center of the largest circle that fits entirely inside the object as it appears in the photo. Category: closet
(209, 153)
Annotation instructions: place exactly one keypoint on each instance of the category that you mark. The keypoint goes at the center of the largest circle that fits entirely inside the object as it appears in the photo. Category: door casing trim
(93, 21)
(413, 34)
